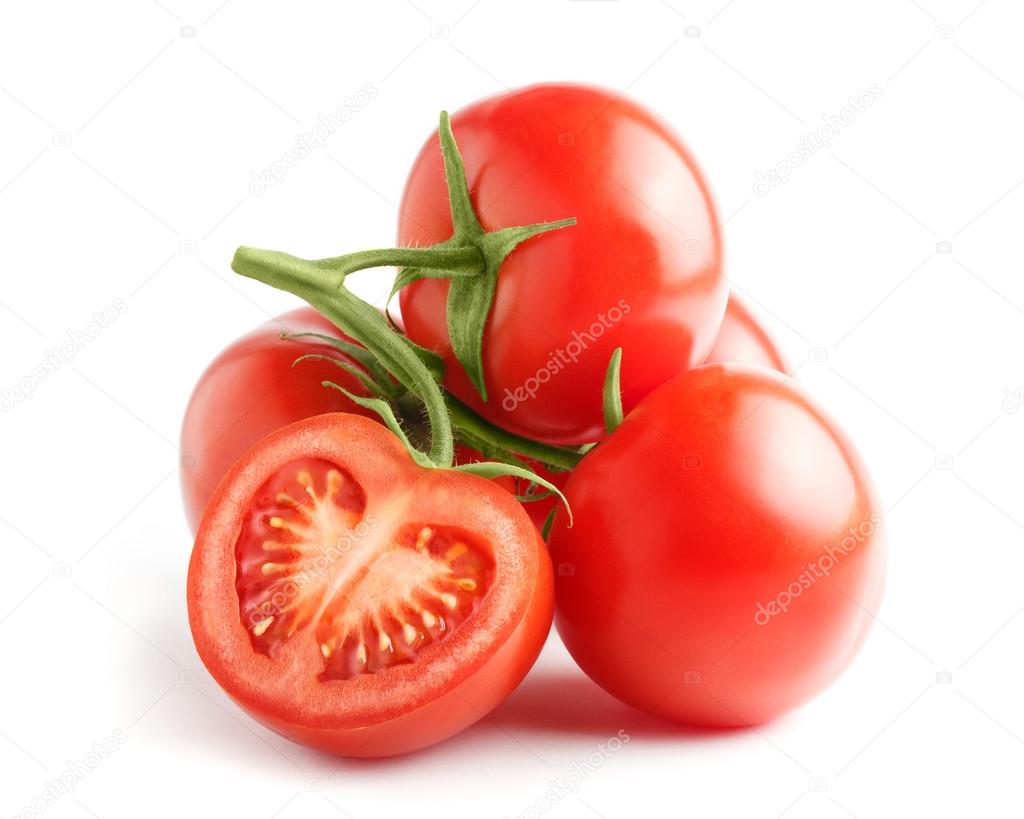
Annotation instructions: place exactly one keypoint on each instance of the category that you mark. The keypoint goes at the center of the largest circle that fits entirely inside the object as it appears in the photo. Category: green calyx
(470, 295)
(612, 397)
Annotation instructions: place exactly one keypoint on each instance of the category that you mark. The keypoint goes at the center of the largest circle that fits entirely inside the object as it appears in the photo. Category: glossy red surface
(687, 586)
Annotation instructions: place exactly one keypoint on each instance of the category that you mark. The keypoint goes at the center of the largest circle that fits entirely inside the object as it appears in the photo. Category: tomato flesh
(307, 557)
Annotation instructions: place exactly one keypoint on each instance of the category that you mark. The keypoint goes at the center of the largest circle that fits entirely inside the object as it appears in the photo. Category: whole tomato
(742, 339)
(641, 269)
(727, 556)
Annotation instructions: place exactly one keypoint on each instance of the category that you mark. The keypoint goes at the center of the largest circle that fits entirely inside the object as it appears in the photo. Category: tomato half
(641, 269)
(358, 603)
(727, 555)
(250, 390)
(742, 339)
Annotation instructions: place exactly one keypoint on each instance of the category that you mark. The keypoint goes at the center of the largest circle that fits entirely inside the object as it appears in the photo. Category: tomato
(358, 603)
(741, 338)
(250, 390)
(727, 557)
(641, 268)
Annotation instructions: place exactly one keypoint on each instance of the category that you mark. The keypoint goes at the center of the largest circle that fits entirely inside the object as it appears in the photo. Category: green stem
(362, 322)
(612, 398)
(464, 419)
(464, 260)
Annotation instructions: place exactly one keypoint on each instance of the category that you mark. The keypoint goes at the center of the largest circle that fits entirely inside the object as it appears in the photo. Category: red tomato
(726, 558)
(742, 339)
(641, 269)
(358, 603)
(250, 390)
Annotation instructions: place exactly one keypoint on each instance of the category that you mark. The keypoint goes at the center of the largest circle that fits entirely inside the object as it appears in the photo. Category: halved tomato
(358, 603)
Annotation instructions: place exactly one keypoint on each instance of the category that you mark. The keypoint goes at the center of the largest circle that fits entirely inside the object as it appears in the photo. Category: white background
(128, 133)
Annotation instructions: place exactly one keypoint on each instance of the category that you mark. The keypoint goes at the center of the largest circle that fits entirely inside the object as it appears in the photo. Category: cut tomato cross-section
(307, 556)
(359, 603)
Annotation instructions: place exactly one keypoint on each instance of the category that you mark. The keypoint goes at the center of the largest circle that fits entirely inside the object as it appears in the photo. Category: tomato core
(309, 560)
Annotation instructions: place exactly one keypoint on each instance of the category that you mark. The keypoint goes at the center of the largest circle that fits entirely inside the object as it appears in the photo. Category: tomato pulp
(358, 603)
(641, 269)
(727, 556)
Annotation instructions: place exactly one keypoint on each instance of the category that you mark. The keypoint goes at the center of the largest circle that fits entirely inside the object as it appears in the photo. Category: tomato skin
(742, 339)
(250, 390)
(407, 707)
(641, 269)
(697, 513)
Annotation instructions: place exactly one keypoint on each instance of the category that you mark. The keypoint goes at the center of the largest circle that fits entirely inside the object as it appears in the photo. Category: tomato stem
(450, 260)
(482, 434)
(498, 470)
(323, 288)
